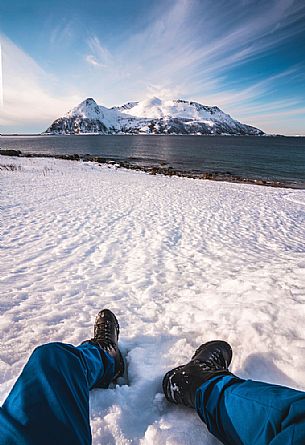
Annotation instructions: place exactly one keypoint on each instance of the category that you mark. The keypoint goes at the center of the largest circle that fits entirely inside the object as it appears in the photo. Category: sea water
(273, 158)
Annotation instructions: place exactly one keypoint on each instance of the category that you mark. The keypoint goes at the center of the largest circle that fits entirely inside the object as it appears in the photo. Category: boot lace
(215, 362)
(103, 334)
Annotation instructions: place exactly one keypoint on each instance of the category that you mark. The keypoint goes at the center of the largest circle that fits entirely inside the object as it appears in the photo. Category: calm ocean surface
(271, 158)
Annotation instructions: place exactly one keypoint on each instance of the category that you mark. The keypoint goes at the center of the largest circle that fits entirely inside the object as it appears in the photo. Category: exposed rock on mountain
(151, 116)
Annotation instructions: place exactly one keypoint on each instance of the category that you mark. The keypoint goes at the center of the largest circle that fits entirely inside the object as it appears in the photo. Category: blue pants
(245, 412)
(49, 403)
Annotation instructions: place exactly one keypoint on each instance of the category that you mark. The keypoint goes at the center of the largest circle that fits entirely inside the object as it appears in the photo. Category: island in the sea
(150, 116)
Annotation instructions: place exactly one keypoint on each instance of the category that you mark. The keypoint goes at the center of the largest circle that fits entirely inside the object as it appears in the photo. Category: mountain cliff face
(151, 116)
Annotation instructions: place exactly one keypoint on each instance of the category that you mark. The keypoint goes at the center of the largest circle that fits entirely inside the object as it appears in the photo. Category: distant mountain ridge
(150, 116)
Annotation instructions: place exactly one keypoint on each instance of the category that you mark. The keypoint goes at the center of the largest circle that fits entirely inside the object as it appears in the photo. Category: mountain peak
(153, 101)
(89, 102)
(88, 108)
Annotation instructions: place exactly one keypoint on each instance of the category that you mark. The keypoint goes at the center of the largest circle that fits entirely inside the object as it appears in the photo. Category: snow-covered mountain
(150, 116)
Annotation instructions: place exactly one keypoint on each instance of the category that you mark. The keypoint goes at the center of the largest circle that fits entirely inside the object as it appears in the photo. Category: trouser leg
(245, 412)
(49, 403)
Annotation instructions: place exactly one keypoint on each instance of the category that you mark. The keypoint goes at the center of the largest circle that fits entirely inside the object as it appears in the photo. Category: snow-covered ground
(180, 261)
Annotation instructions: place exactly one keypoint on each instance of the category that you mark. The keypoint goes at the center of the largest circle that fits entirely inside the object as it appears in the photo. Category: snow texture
(180, 261)
(150, 116)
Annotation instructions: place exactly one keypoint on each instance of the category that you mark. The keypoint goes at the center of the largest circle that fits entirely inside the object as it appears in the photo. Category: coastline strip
(159, 169)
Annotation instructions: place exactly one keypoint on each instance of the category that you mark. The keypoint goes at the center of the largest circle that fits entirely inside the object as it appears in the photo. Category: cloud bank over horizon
(245, 57)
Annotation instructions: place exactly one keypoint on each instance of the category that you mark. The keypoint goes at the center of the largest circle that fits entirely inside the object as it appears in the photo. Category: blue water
(270, 158)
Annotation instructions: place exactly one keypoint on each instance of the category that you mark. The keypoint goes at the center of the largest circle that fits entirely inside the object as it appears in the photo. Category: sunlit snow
(180, 261)
(152, 115)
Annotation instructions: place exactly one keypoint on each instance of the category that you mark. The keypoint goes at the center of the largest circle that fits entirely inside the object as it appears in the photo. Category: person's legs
(241, 412)
(49, 402)
(236, 411)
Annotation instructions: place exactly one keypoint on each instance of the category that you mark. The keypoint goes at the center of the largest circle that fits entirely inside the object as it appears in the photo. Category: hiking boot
(210, 360)
(106, 334)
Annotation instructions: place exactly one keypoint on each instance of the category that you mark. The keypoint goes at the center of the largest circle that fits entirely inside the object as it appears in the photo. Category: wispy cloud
(198, 60)
(181, 48)
(254, 91)
(29, 93)
(99, 55)
(62, 33)
(1, 78)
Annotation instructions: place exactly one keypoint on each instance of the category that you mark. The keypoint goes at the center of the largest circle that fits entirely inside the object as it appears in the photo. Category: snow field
(180, 262)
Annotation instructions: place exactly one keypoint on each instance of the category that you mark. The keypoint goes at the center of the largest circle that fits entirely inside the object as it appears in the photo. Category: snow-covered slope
(180, 261)
(150, 116)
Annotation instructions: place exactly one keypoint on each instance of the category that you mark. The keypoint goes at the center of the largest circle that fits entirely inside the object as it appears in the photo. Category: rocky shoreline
(159, 169)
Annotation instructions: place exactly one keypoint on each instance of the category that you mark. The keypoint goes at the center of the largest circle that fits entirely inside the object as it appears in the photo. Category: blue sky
(247, 57)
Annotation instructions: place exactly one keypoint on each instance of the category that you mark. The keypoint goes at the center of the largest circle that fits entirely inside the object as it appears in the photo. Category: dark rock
(101, 160)
(10, 152)
(76, 125)
(73, 157)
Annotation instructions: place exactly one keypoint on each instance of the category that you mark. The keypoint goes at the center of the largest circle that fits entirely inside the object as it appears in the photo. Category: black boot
(210, 359)
(106, 335)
